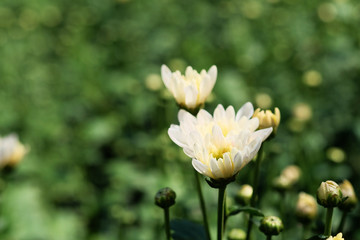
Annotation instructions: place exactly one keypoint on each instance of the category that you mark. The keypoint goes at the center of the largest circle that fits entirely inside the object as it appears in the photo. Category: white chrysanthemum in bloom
(190, 90)
(11, 150)
(222, 144)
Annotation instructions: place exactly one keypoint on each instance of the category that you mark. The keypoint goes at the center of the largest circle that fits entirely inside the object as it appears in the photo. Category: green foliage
(186, 230)
(80, 85)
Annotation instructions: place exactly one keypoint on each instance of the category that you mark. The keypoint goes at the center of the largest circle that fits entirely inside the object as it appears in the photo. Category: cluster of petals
(339, 236)
(221, 144)
(11, 150)
(190, 90)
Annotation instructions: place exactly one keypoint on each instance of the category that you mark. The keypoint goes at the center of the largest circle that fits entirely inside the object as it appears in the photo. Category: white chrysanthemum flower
(190, 90)
(222, 144)
(11, 150)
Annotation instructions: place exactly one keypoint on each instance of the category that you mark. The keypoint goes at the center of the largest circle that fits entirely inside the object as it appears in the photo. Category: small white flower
(11, 150)
(190, 90)
(222, 144)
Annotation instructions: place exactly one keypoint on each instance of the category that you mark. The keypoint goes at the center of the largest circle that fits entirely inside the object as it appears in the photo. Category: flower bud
(244, 194)
(165, 197)
(289, 176)
(337, 237)
(268, 119)
(237, 234)
(329, 194)
(348, 191)
(12, 151)
(306, 208)
(271, 225)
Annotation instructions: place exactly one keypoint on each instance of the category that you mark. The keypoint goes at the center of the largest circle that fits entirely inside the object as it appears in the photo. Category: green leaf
(186, 230)
(235, 210)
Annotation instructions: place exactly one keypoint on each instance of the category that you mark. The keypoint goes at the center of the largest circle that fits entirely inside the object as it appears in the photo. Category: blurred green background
(80, 84)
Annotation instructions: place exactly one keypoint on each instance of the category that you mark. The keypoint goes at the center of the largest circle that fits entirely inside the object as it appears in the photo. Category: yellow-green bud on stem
(165, 197)
(268, 119)
(348, 193)
(243, 196)
(271, 225)
(329, 194)
(236, 234)
(306, 208)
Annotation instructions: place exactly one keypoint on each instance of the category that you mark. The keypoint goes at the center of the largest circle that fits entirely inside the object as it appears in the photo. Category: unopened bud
(329, 194)
(244, 194)
(165, 197)
(306, 208)
(271, 225)
(12, 150)
(348, 191)
(237, 234)
(289, 176)
(268, 119)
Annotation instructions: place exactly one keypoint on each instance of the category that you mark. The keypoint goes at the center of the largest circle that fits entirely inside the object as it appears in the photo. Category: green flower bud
(165, 197)
(237, 234)
(271, 225)
(348, 191)
(244, 194)
(329, 194)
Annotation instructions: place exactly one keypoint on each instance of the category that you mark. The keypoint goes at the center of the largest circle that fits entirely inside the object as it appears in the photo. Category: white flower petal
(189, 152)
(262, 134)
(188, 72)
(205, 88)
(230, 112)
(253, 149)
(238, 161)
(185, 116)
(166, 76)
(199, 166)
(191, 96)
(252, 124)
(228, 166)
(176, 135)
(246, 110)
(213, 74)
(219, 113)
(203, 117)
(218, 138)
(215, 170)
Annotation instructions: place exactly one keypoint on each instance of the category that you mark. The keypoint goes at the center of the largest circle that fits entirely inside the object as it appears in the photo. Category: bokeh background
(80, 84)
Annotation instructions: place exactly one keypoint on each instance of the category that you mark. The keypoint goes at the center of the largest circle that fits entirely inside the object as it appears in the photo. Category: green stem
(342, 222)
(255, 190)
(268, 237)
(167, 223)
(202, 204)
(328, 221)
(304, 230)
(256, 177)
(221, 212)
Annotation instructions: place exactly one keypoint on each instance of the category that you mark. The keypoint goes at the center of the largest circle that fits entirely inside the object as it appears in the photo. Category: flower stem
(342, 222)
(328, 221)
(221, 212)
(167, 223)
(255, 191)
(268, 237)
(202, 204)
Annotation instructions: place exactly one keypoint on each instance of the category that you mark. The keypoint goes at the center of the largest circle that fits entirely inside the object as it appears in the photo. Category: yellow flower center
(218, 152)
